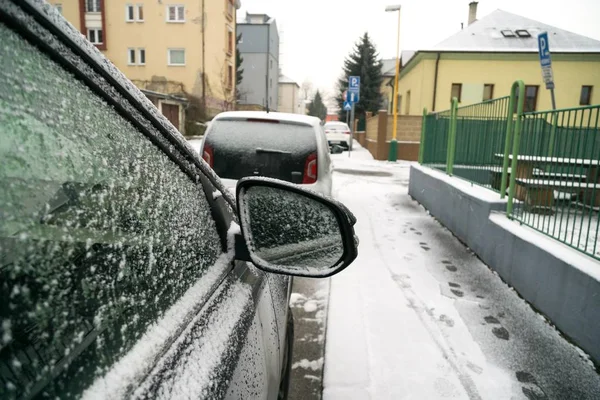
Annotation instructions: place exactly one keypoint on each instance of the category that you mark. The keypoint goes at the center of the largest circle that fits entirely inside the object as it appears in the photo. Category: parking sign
(544, 49)
(545, 60)
(354, 83)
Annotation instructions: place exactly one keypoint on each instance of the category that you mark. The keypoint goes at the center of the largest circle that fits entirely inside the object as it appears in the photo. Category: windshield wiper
(259, 150)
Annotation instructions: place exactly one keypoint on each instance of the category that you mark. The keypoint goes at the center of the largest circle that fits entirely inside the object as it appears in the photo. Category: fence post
(552, 135)
(452, 137)
(508, 140)
(423, 130)
(516, 142)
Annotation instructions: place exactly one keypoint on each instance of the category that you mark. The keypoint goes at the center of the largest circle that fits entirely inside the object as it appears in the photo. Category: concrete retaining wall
(561, 282)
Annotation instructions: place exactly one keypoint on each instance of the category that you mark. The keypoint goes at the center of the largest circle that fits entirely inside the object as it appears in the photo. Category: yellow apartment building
(181, 53)
(483, 60)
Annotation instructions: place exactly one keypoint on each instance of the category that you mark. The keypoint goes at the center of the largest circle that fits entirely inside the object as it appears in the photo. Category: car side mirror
(335, 149)
(288, 230)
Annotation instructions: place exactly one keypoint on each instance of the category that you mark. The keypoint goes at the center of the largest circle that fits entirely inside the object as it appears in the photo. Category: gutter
(267, 65)
(435, 80)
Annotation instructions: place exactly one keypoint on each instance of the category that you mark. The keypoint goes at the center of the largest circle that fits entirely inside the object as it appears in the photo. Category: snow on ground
(570, 224)
(419, 316)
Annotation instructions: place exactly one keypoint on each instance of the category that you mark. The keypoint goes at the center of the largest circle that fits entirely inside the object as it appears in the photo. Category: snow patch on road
(297, 299)
(310, 306)
(314, 365)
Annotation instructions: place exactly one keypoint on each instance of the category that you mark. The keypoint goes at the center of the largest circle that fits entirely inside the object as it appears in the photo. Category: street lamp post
(393, 155)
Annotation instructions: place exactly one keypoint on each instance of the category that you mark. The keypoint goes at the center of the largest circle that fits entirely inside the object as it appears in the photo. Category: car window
(100, 232)
(336, 127)
(242, 148)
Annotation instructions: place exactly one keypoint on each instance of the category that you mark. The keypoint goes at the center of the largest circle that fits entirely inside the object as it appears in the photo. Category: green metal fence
(556, 187)
(548, 160)
(480, 140)
(434, 139)
(466, 141)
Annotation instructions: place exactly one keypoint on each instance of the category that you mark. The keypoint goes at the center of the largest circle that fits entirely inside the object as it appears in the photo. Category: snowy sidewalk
(419, 316)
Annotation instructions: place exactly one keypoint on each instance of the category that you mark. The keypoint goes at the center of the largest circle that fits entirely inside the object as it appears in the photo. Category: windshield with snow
(247, 148)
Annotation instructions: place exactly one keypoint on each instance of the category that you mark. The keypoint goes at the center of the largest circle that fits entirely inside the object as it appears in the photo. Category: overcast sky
(316, 35)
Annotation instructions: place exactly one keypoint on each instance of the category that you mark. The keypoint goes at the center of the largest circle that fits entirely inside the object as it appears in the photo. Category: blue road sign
(347, 106)
(353, 97)
(545, 60)
(544, 49)
(354, 83)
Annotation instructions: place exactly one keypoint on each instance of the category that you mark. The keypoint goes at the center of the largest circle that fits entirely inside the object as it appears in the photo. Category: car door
(115, 271)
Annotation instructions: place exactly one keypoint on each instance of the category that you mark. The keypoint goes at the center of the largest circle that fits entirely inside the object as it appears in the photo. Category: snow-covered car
(126, 268)
(337, 133)
(284, 146)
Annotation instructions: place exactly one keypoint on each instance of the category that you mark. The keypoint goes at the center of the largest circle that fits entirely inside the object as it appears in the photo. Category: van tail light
(346, 132)
(310, 169)
(207, 155)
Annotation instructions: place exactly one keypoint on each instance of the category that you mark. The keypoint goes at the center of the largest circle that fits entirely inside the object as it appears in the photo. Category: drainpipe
(435, 79)
(267, 65)
(203, 58)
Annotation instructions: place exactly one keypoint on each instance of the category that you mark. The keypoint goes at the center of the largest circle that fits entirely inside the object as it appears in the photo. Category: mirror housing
(336, 149)
(288, 230)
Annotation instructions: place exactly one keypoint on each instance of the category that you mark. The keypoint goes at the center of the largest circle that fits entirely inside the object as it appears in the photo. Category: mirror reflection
(291, 231)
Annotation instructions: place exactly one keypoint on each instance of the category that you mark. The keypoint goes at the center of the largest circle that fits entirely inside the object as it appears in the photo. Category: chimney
(472, 12)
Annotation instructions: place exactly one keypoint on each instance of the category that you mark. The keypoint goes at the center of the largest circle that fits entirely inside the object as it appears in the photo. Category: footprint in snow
(531, 388)
(474, 367)
(454, 285)
(491, 320)
(447, 320)
(457, 293)
(451, 268)
(501, 333)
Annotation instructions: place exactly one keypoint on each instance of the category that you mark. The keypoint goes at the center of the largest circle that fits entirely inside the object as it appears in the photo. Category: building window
(407, 111)
(58, 7)
(129, 13)
(456, 91)
(585, 99)
(176, 56)
(230, 76)
(230, 8)
(131, 56)
(95, 36)
(229, 42)
(488, 91)
(92, 5)
(270, 64)
(531, 93)
(136, 57)
(176, 13)
(134, 13)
